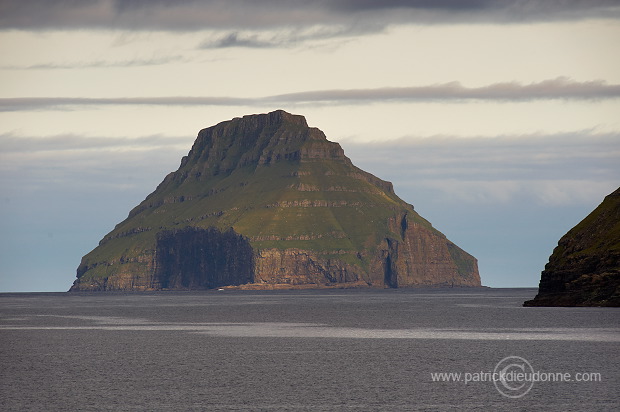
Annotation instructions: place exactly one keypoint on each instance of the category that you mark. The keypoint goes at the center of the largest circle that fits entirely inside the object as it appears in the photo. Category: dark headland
(584, 269)
(266, 202)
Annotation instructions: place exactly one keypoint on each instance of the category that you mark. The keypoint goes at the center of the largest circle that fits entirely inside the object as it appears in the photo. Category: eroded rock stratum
(265, 202)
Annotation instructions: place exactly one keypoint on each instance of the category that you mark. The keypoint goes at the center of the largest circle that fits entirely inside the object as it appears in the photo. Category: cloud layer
(189, 15)
(560, 88)
(553, 169)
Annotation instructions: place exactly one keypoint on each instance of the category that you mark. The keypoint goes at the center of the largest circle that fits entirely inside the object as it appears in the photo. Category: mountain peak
(257, 140)
(276, 117)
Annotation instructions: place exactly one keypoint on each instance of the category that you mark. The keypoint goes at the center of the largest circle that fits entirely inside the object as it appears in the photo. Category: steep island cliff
(266, 202)
(584, 269)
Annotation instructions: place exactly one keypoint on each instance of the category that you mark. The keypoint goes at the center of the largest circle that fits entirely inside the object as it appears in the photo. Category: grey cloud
(100, 64)
(288, 37)
(183, 15)
(581, 155)
(352, 5)
(190, 15)
(560, 88)
(559, 169)
(585, 154)
(514, 10)
(83, 164)
(12, 143)
(68, 103)
(236, 39)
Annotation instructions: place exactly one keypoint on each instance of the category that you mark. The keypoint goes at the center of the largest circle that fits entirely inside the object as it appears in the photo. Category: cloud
(542, 192)
(288, 36)
(85, 164)
(484, 10)
(563, 168)
(12, 144)
(236, 39)
(100, 64)
(191, 15)
(560, 88)
(557, 169)
(41, 103)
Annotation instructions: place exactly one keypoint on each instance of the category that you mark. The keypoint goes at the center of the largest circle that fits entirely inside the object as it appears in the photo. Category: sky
(498, 120)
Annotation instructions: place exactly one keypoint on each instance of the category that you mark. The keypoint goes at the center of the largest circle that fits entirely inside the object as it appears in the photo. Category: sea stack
(584, 269)
(266, 202)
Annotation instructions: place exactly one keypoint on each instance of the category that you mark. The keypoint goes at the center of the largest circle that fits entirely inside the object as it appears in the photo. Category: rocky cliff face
(193, 258)
(584, 269)
(265, 201)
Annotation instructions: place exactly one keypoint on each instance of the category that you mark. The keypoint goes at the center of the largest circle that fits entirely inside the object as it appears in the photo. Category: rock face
(194, 258)
(265, 201)
(584, 269)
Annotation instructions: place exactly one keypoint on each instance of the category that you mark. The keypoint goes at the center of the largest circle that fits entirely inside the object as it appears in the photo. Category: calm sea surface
(330, 350)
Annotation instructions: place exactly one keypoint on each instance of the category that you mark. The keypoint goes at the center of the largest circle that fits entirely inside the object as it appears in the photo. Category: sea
(438, 349)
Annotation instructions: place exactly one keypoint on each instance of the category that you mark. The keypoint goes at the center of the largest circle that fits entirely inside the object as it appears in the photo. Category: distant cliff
(265, 201)
(584, 269)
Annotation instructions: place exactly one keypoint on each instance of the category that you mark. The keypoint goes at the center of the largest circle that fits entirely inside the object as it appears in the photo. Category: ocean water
(335, 350)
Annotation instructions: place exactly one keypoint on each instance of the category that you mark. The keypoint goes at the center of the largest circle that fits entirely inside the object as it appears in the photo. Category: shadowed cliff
(265, 201)
(194, 258)
(584, 269)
